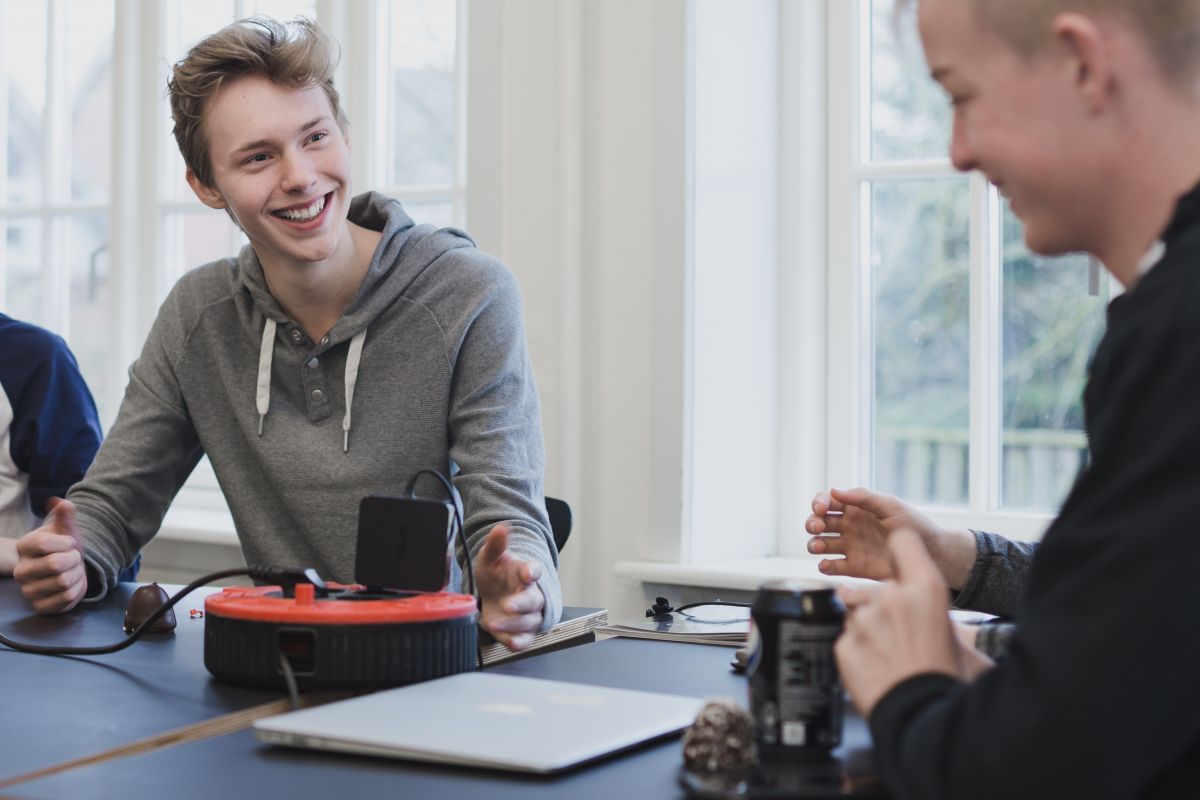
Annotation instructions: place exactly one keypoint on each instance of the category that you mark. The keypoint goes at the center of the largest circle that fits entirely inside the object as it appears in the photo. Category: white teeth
(303, 214)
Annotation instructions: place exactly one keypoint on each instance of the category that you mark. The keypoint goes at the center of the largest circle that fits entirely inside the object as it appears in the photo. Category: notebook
(482, 719)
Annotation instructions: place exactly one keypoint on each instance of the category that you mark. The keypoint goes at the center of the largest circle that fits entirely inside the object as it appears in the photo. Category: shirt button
(325, 339)
(317, 395)
(312, 363)
(295, 335)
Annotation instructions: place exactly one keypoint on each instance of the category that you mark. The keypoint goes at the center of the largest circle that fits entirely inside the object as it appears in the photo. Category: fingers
(854, 597)
(514, 641)
(43, 542)
(827, 546)
(51, 585)
(529, 572)
(824, 502)
(514, 619)
(56, 593)
(526, 601)
(837, 566)
(50, 567)
(881, 505)
(911, 561)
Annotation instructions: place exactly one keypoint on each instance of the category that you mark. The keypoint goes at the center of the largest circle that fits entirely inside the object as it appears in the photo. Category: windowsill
(743, 574)
(198, 525)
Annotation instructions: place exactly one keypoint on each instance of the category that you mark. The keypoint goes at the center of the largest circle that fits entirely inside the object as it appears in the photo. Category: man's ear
(207, 194)
(1089, 57)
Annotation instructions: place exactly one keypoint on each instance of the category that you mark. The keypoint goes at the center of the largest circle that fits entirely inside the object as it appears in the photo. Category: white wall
(575, 121)
(650, 263)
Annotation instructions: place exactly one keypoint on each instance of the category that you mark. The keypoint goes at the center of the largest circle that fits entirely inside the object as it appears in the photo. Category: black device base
(353, 657)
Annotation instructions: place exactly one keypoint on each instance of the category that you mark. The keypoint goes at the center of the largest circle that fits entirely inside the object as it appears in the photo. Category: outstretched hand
(856, 524)
(898, 630)
(512, 602)
(50, 567)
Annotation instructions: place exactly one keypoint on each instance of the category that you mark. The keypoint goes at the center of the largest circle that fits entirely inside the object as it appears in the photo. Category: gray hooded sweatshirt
(426, 369)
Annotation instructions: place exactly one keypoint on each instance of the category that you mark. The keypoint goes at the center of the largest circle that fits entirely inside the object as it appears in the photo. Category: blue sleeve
(55, 430)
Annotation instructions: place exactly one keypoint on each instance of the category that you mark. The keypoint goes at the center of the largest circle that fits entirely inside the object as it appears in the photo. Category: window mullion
(845, 403)
(460, 112)
(986, 349)
(54, 315)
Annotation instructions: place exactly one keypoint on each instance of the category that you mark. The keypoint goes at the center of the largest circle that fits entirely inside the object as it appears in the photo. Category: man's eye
(316, 137)
(257, 158)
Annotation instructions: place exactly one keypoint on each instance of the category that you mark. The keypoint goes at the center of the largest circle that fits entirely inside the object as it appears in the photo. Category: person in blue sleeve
(49, 431)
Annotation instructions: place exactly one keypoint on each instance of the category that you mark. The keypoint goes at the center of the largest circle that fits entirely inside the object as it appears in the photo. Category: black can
(795, 694)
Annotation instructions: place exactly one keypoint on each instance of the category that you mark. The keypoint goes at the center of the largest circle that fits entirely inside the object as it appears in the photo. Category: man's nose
(298, 173)
(962, 156)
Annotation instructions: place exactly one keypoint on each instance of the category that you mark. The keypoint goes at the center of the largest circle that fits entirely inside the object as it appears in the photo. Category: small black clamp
(661, 606)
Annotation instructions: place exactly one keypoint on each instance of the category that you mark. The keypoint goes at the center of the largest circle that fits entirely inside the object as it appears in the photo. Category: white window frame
(850, 391)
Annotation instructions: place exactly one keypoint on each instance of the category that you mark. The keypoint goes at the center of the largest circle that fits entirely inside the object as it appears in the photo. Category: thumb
(496, 544)
(911, 562)
(62, 519)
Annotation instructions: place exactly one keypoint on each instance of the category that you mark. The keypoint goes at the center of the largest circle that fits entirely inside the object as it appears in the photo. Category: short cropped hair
(295, 54)
(1171, 28)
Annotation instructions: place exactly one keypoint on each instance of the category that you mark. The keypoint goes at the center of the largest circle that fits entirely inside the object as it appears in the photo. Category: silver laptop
(486, 720)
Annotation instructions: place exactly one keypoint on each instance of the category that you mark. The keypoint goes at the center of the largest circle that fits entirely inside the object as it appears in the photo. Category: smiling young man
(343, 351)
(1085, 114)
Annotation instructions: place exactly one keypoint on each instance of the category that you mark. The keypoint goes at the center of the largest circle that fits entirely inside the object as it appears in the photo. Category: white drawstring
(263, 393)
(353, 359)
(262, 398)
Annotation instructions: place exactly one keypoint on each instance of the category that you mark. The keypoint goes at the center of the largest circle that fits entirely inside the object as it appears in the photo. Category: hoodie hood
(404, 252)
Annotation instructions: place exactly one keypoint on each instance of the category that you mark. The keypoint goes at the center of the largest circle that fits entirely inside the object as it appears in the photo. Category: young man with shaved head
(1086, 116)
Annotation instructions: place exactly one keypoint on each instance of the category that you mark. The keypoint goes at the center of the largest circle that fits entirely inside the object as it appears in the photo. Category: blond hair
(295, 54)
(1171, 28)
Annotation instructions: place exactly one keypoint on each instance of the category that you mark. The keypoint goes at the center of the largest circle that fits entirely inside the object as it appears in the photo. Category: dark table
(70, 707)
(59, 708)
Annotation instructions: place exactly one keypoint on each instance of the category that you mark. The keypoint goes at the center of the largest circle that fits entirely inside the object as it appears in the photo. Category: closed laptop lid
(487, 720)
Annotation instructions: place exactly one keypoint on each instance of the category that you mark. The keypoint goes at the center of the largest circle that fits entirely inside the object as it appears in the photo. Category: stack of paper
(575, 622)
(707, 624)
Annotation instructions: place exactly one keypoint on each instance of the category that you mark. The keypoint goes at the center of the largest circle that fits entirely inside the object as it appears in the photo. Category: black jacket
(1099, 695)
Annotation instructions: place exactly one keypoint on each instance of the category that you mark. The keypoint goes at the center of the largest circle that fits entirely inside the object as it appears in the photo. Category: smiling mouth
(304, 214)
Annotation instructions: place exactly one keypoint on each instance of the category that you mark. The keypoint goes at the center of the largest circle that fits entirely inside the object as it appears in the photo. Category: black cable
(281, 576)
(289, 678)
(458, 523)
(462, 540)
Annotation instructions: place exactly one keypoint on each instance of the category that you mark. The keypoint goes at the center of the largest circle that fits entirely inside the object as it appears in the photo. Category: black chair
(560, 520)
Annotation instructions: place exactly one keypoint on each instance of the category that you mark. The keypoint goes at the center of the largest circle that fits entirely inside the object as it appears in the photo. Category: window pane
(196, 238)
(21, 270)
(440, 214)
(423, 92)
(1051, 327)
(910, 118)
(23, 34)
(187, 22)
(920, 307)
(81, 255)
(286, 9)
(89, 64)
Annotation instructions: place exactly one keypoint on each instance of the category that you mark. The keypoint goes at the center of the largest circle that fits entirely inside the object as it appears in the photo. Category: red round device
(348, 640)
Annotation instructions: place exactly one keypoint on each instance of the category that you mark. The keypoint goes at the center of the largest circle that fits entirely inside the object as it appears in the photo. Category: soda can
(795, 694)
